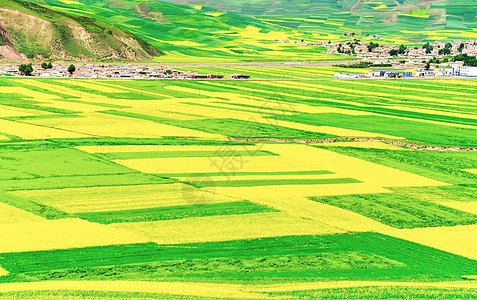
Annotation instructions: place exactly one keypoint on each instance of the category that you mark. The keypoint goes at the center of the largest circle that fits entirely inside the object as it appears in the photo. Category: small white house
(468, 71)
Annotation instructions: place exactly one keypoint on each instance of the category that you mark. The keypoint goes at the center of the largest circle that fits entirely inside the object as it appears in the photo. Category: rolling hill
(192, 33)
(395, 20)
(28, 30)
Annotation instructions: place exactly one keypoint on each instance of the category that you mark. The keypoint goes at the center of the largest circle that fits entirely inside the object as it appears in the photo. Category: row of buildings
(360, 49)
(468, 47)
(454, 70)
(128, 71)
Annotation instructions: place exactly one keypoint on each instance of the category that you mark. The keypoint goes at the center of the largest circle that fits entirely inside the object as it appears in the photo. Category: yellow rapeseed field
(96, 199)
(3, 272)
(196, 289)
(153, 148)
(33, 132)
(12, 214)
(473, 171)
(98, 124)
(290, 159)
(61, 234)
(223, 228)
(458, 240)
(9, 111)
(470, 206)
(93, 85)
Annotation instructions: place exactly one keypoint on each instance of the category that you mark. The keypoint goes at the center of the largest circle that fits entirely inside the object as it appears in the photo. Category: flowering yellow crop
(222, 228)
(187, 289)
(33, 132)
(98, 124)
(60, 234)
(458, 240)
(110, 198)
(12, 214)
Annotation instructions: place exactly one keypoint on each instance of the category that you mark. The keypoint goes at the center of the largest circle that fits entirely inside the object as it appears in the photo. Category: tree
(448, 45)
(46, 65)
(444, 51)
(461, 47)
(428, 48)
(71, 69)
(26, 69)
(371, 46)
(393, 52)
(402, 49)
(428, 66)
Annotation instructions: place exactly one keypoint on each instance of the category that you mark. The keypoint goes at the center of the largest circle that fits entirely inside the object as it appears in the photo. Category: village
(436, 59)
(110, 71)
(452, 70)
(376, 51)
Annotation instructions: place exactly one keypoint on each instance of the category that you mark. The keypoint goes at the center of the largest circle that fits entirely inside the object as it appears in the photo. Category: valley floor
(184, 189)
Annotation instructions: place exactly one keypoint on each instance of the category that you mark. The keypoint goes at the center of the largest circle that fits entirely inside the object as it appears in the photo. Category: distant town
(106, 71)
(454, 58)
(374, 50)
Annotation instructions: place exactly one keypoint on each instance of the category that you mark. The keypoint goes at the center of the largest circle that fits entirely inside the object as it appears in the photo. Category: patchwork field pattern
(183, 188)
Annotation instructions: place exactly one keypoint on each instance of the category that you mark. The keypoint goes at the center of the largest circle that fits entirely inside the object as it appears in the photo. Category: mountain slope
(396, 20)
(28, 30)
(194, 33)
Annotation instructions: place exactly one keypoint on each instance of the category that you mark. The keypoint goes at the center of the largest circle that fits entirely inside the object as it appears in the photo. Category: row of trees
(467, 59)
(395, 52)
(27, 69)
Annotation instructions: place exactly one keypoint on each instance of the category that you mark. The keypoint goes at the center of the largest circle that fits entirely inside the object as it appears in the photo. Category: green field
(141, 190)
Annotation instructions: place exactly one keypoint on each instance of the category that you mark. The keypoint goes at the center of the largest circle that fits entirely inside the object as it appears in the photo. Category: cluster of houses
(360, 49)
(112, 71)
(454, 70)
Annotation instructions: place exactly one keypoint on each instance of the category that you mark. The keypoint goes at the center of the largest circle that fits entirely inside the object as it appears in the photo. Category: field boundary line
(332, 140)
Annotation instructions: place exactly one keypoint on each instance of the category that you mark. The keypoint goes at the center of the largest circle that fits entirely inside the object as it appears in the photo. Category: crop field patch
(52, 162)
(457, 239)
(401, 211)
(60, 234)
(118, 197)
(11, 214)
(390, 292)
(173, 212)
(203, 229)
(50, 183)
(192, 185)
(320, 257)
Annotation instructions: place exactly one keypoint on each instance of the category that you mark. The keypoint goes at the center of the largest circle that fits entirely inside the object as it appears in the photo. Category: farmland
(237, 189)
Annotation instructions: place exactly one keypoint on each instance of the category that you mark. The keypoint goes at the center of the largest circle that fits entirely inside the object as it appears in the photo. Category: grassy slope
(406, 21)
(60, 36)
(186, 33)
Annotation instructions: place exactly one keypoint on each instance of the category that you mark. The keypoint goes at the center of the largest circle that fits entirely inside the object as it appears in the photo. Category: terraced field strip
(79, 181)
(115, 198)
(34, 132)
(169, 154)
(170, 288)
(11, 214)
(206, 229)
(60, 234)
(401, 211)
(106, 125)
(458, 240)
(163, 148)
(350, 284)
(174, 212)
